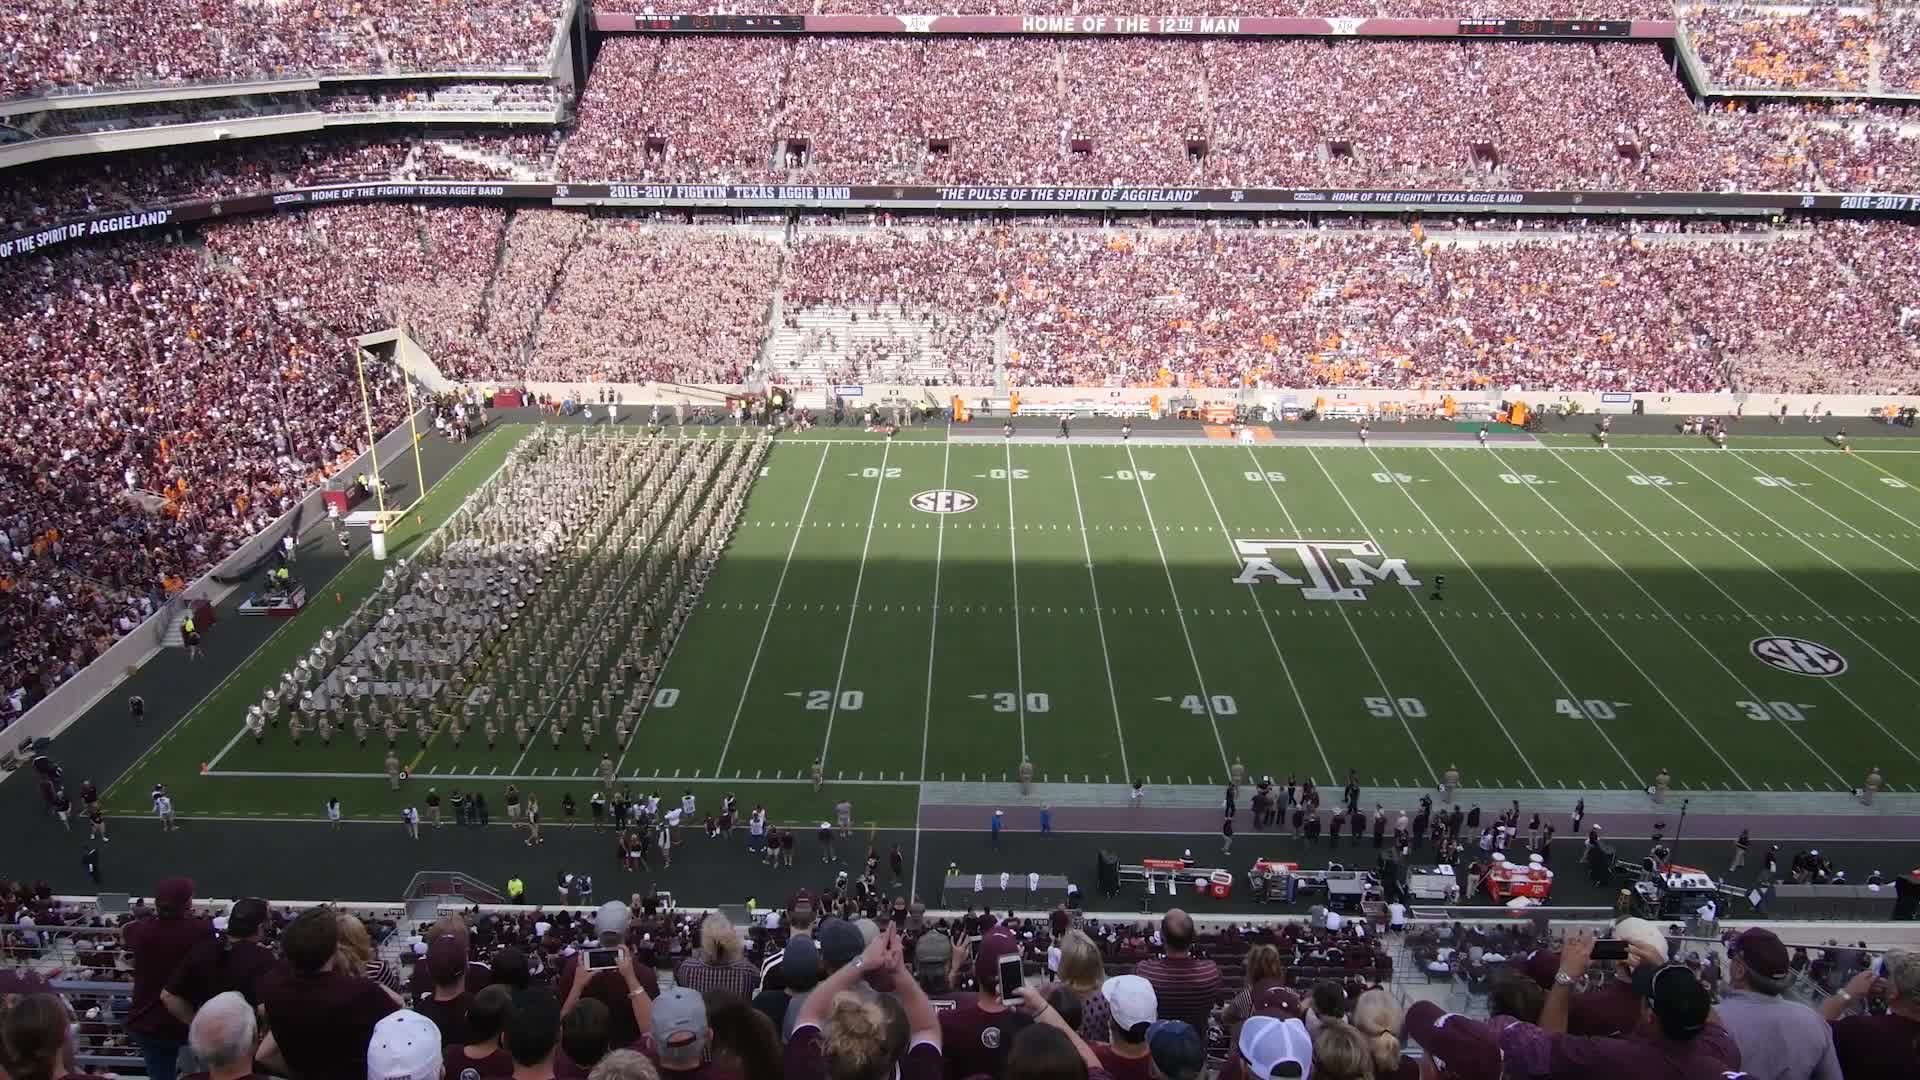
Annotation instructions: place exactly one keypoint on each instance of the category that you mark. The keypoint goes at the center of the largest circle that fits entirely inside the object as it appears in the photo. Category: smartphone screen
(1011, 976)
(1612, 949)
(602, 959)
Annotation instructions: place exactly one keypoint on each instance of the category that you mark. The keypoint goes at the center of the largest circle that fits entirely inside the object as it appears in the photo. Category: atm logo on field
(1332, 569)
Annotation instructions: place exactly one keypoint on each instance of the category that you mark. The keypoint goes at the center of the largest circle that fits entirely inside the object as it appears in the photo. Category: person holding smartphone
(978, 1030)
(840, 1032)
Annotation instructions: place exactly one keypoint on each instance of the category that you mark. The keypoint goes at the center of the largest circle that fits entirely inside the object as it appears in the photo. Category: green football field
(934, 609)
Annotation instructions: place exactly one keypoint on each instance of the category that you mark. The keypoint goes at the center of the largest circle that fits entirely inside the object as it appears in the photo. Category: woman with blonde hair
(1083, 970)
(354, 956)
(1380, 1019)
(1264, 969)
(1341, 1052)
(720, 966)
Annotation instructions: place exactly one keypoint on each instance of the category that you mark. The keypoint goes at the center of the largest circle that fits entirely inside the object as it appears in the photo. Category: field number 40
(1222, 705)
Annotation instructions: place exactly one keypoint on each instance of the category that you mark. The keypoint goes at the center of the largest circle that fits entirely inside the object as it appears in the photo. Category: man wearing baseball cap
(1457, 1047)
(1677, 1038)
(1270, 1047)
(610, 925)
(977, 1032)
(1779, 1038)
(1132, 1010)
(405, 1046)
(680, 1034)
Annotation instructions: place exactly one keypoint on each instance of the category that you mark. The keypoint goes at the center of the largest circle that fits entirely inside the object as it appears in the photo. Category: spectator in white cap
(405, 1046)
(1270, 1047)
(222, 1036)
(1132, 1010)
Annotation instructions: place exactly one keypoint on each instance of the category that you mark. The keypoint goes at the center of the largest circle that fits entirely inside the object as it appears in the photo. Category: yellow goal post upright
(383, 517)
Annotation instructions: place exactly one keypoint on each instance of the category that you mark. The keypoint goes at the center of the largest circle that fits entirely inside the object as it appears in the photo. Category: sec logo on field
(944, 502)
(1799, 656)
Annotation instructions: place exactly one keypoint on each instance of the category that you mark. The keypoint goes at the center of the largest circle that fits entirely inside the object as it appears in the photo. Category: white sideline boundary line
(1013, 568)
(1179, 610)
(853, 608)
(1393, 698)
(288, 624)
(1596, 623)
(682, 781)
(1745, 688)
(1285, 668)
(1099, 620)
(773, 605)
(1815, 604)
(933, 638)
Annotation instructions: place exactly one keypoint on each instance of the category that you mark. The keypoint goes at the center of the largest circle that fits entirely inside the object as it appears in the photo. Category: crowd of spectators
(824, 986)
(642, 303)
(1750, 48)
(99, 44)
(1229, 112)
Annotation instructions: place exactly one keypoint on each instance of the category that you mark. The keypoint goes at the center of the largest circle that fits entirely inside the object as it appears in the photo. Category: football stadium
(1284, 541)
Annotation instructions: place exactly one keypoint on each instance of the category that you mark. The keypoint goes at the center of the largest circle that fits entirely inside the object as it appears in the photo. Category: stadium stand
(1314, 968)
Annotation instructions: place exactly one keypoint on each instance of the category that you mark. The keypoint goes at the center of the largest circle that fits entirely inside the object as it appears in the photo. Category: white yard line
(773, 605)
(1013, 567)
(1598, 625)
(1472, 682)
(1254, 595)
(1099, 621)
(1752, 694)
(1206, 699)
(1902, 614)
(1903, 486)
(1843, 521)
(933, 638)
(365, 552)
(1590, 619)
(1815, 604)
(853, 609)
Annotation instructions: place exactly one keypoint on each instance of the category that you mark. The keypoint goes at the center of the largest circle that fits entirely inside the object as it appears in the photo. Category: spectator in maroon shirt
(1879, 1047)
(159, 943)
(841, 1033)
(234, 960)
(1186, 986)
(610, 925)
(977, 1032)
(447, 1003)
(321, 1019)
(483, 1058)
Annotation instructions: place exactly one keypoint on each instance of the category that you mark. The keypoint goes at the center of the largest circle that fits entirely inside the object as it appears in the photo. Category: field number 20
(875, 472)
(1387, 708)
(823, 700)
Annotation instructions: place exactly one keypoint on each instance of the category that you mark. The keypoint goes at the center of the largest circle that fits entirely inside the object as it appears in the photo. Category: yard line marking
(1106, 658)
(1815, 549)
(1657, 688)
(1285, 668)
(1869, 536)
(846, 644)
(773, 605)
(1193, 657)
(933, 636)
(1442, 638)
(1836, 620)
(1013, 568)
(1590, 617)
(1857, 456)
